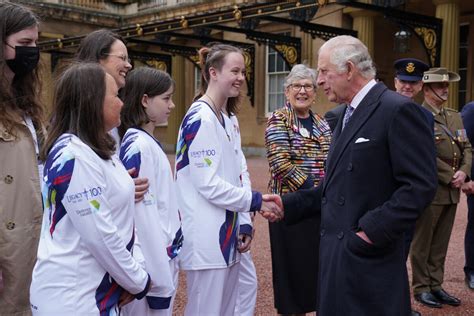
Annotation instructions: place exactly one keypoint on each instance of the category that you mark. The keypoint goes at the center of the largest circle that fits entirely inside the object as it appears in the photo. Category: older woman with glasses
(297, 142)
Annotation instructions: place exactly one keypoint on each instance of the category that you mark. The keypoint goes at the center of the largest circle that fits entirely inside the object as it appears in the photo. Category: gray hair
(346, 48)
(299, 72)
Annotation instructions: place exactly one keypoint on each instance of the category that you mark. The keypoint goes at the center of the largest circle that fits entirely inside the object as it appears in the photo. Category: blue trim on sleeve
(155, 302)
(142, 294)
(246, 229)
(256, 204)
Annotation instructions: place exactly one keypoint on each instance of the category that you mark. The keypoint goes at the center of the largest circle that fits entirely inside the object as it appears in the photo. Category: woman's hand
(125, 298)
(141, 185)
(244, 243)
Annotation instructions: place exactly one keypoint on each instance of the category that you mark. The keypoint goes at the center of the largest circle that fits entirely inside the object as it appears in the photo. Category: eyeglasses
(122, 57)
(297, 87)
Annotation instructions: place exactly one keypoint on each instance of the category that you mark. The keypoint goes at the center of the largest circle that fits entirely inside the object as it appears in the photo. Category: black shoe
(445, 298)
(470, 280)
(415, 313)
(428, 299)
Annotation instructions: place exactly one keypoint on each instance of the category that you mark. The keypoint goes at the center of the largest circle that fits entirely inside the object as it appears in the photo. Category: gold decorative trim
(139, 30)
(289, 52)
(157, 64)
(429, 40)
(248, 65)
(237, 14)
(195, 59)
(183, 22)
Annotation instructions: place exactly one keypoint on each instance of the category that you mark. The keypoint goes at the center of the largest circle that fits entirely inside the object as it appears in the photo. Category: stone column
(46, 76)
(308, 54)
(448, 11)
(363, 23)
(179, 99)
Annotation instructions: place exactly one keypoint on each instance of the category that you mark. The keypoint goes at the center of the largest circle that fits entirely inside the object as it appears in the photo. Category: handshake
(272, 207)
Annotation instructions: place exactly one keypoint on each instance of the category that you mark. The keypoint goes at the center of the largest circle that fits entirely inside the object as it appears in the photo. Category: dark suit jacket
(381, 173)
(467, 114)
(332, 116)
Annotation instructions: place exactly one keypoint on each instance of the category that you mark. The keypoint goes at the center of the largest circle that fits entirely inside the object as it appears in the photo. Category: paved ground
(454, 276)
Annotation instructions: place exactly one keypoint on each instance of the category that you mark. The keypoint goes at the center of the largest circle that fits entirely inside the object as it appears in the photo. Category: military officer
(433, 228)
(409, 72)
(408, 82)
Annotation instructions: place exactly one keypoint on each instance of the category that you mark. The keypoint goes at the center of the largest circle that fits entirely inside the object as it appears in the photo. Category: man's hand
(244, 243)
(458, 179)
(272, 207)
(364, 237)
(468, 187)
(141, 185)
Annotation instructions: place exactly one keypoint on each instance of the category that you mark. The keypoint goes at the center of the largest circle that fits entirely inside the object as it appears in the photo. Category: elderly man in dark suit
(380, 174)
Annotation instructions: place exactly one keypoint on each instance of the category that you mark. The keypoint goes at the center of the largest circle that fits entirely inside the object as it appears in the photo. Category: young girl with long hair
(148, 103)
(211, 194)
(88, 263)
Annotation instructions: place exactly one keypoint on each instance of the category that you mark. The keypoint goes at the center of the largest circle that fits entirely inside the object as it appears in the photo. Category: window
(277, 70)
(463, 63)
(197, 80)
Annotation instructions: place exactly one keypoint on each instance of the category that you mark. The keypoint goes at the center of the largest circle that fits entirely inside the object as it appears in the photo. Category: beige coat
(20, 218)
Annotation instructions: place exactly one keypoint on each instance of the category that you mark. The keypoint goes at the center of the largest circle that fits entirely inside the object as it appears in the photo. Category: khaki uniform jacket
(21, 213)
(450, 157)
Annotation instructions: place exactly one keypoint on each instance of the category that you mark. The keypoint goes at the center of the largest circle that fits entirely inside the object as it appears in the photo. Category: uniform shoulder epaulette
(451, 110)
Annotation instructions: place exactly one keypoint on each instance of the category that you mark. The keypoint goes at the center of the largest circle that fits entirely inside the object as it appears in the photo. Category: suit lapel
(341, 139)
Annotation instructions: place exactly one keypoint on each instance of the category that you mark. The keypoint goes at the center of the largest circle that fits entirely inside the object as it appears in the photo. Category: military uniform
(433, 228)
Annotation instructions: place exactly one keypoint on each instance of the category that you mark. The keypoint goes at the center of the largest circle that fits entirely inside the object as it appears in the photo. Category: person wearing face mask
(108, 49)
(434, 226)
(21, 135)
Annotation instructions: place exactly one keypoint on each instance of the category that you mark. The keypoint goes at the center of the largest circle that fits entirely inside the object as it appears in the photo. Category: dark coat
(381, 173)
(467, 114)
(332, 116)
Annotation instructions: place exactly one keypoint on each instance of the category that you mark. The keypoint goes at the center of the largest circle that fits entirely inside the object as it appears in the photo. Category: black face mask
(25, 61)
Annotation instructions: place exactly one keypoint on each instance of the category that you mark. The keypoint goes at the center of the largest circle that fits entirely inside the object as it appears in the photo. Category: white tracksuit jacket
(87, 238)
(209, 190)
(157, 218)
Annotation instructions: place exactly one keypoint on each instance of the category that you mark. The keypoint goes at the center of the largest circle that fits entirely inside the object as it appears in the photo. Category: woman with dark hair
(148, 103)
(85, 264)
(297, 142)
(211, 194)
(108, 49)
(21, 135)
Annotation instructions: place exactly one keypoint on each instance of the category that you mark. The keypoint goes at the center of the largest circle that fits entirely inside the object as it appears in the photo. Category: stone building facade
(274, 35)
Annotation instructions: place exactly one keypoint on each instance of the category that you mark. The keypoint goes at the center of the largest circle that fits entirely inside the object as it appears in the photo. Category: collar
(433, 110)
(362, 93)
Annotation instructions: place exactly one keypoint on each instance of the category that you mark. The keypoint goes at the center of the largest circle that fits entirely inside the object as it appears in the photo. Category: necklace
(213, 107)
(219, 118)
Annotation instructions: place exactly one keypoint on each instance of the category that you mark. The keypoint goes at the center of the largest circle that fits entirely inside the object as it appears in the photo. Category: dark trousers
(408, 238)
(469, 237)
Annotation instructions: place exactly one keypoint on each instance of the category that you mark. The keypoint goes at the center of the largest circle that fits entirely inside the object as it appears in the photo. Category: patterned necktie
(347, 115)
